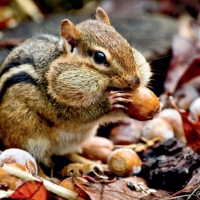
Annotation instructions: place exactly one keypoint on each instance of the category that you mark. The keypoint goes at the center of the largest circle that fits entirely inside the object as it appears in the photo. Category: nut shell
(124, 162)
(97, 148)
(19, 156)
(158, 127)
(10, 181)
(69, 184)
(144, 106)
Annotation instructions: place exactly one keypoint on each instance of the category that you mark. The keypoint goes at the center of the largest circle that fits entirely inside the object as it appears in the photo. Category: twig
(4, 194)
(193, 192)
(176, 197)
(179, 192)
(140, 146)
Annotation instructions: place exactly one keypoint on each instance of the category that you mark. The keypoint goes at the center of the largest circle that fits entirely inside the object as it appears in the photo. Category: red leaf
(191, 129)
(192, 71)
(192, 132)
(31, 190)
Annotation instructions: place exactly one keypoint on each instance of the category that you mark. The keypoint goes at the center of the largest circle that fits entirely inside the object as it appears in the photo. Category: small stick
(4, 194)
(61, 191)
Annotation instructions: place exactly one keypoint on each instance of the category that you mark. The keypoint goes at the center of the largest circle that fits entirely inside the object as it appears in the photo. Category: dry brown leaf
(117, 190)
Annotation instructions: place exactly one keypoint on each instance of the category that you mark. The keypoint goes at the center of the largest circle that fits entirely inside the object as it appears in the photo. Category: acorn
(69, 184)
(19, 156)
(19, 159)
(124, 162)
(97, 148)
(194, 111)
(9, 181)
(158, 127)
(173, 117)
(145, 104)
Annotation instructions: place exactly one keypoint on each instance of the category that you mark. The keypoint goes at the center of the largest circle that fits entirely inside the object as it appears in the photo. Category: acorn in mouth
(145, 104)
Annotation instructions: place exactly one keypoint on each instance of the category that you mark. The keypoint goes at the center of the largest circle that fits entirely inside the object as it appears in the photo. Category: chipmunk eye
(99, 58)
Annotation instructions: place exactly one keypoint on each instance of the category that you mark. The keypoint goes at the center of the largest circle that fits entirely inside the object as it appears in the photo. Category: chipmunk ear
(102, 16)
(70, 33)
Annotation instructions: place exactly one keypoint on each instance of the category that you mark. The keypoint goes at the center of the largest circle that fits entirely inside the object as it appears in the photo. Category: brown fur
(53, 98)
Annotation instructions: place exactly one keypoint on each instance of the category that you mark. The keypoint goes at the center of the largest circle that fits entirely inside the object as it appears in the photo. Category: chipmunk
(55, 92)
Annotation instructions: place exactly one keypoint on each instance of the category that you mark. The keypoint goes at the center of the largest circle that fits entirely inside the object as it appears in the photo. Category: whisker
(154, 71)
(158, 73)
(130, 39)
(157, 58)
(136, 46)
(150, 87)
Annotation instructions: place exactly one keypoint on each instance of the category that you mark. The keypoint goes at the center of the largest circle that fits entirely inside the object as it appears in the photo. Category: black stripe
(18, 62)
(45, 120)
(17, 78)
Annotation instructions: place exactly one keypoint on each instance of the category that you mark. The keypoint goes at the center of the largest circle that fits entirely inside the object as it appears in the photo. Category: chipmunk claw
(117, 99)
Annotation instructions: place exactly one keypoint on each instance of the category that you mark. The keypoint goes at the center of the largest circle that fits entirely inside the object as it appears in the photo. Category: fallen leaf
(192, 132)
(31, 190)
(159, 195)
(191, 128)
(192, 71)
(117, 190)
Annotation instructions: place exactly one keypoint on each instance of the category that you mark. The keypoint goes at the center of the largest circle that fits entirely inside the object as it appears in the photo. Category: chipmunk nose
(135, 82)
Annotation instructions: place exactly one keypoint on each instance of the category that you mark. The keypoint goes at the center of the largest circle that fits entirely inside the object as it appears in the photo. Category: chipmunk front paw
(117, 99)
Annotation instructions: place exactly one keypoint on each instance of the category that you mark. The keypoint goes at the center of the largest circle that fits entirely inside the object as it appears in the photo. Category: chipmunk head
(96, 59)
